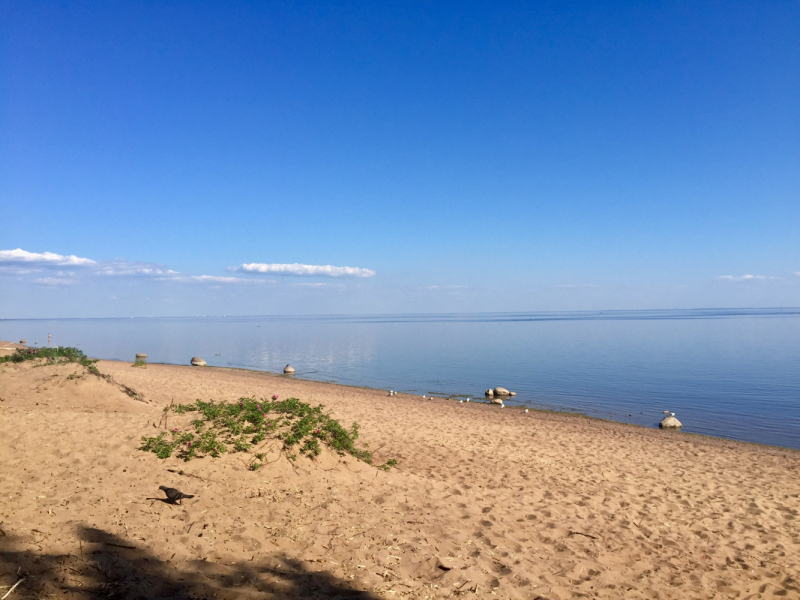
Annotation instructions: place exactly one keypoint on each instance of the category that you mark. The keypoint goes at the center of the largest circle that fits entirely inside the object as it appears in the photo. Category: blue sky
(465, 156)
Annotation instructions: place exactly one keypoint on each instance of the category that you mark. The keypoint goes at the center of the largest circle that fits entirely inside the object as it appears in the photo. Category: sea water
(726, 373)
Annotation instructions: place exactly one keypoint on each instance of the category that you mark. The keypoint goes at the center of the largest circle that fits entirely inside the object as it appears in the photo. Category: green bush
(243, 425)
(51, 356)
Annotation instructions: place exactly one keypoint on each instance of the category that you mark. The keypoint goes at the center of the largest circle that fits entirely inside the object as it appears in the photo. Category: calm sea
(727, 373)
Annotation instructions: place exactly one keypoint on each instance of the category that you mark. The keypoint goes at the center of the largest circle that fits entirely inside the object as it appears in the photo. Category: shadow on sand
(111, 567)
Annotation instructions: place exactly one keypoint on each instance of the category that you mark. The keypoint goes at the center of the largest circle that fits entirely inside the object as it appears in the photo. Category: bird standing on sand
(174, 495)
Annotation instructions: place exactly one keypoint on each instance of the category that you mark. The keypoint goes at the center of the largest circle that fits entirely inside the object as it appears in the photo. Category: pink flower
(189, 445)
(176, 429)
(275, 397)
(258, 406)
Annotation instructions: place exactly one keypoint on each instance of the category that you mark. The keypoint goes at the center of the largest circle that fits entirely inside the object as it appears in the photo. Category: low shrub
(244, 425)
(51, 356)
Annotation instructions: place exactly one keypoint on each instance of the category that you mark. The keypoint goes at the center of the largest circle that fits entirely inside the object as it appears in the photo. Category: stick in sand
(8, 593)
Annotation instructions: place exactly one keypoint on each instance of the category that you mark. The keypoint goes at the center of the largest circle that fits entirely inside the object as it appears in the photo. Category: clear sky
(173, 158)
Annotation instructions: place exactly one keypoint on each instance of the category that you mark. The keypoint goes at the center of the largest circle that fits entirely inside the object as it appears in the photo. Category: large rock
(501, 391)
(288, 370)
(489, 393)
(198, 362)
(670, 422)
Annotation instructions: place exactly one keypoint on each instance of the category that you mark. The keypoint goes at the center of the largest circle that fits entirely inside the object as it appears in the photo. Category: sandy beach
(483, 503)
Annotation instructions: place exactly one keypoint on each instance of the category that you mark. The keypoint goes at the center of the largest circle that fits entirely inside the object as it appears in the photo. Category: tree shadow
(110, 567)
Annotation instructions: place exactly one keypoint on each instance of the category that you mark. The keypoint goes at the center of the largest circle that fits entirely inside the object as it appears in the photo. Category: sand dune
(483, 503)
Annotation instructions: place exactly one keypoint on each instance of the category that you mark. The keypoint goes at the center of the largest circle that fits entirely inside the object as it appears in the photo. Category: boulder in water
(670, 422)
(489, 393)
(501, 391)
(288, 370)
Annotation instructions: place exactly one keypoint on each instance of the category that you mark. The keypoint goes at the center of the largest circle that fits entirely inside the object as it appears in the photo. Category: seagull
(468, 399)
(526, 410)
(671, 414)
(424, 397)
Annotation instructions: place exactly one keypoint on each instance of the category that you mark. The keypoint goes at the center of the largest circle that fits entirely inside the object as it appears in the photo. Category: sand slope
(485, 502)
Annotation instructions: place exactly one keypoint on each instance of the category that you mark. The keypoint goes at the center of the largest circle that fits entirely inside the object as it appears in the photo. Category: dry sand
(484, 503)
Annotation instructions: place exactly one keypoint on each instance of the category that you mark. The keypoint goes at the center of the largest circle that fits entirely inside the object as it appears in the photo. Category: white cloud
(130, 268)
(797, 273)
(218, 279)
(55, 281)
(43, 259)
(304, 270)
(744, 278)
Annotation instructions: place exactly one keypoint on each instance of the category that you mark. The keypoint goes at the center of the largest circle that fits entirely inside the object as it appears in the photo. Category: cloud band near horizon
(301, 270)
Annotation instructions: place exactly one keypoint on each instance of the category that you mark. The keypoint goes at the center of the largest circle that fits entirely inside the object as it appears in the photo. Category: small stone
(23, 341)
(198, 362)
(288, 370)
(489, 393)
(501, 391)
(512, 393)
(670, 422)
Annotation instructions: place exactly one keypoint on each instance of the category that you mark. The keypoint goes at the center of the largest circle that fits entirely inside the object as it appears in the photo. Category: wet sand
(484, 502)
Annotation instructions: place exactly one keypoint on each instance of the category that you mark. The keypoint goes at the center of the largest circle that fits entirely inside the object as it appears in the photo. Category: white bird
(671, 414)
(526, 410)
(423, 396)
(460, 401)
(468, 399)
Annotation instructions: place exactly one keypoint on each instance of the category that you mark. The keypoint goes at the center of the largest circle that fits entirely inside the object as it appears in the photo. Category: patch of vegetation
(246, 425)
(52, 356)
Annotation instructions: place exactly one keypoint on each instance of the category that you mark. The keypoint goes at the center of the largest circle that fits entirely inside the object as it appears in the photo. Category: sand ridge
(485, 502)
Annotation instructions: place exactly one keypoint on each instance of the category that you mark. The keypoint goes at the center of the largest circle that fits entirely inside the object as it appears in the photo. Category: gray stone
(512, 393)
(489, 393)
(501, 391)
(198, 362)
(497, 401)
(670, 422)
(288, 370)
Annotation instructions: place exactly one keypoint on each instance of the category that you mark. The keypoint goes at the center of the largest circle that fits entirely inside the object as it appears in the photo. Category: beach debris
(288, 370)
(198, 362)
(669, 421)
(174, 495)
